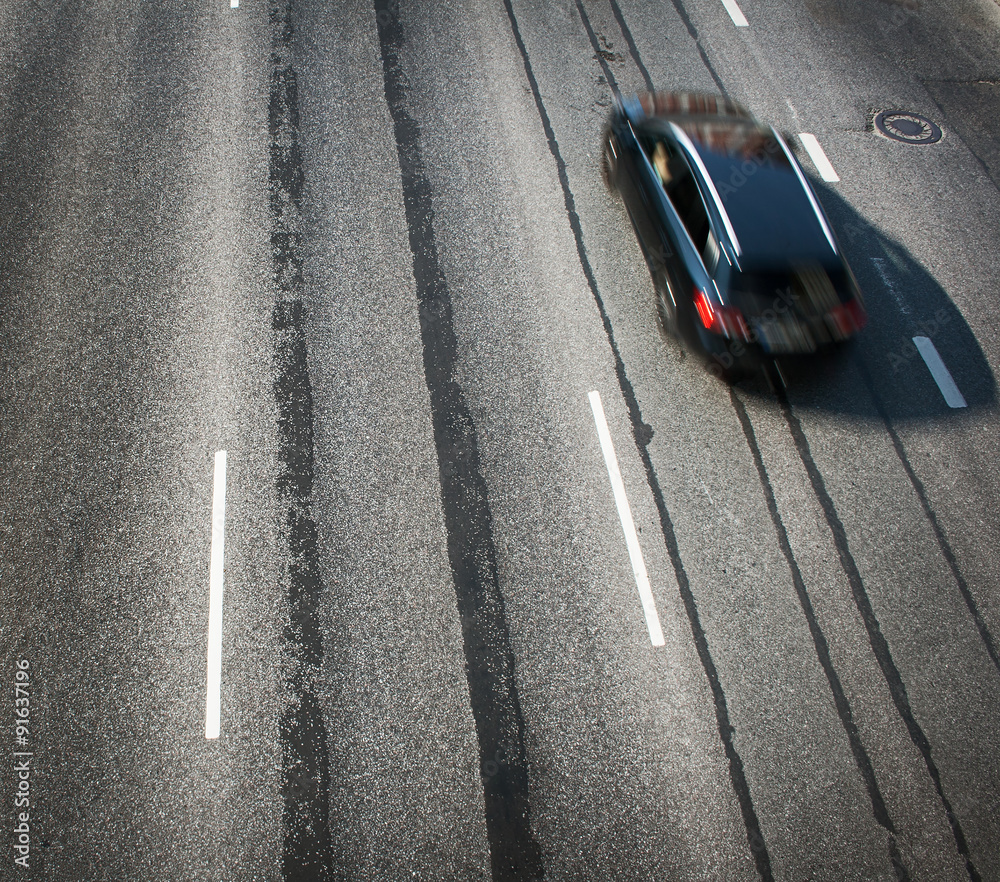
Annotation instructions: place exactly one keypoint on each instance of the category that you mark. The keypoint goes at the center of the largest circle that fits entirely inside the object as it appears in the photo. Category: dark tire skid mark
(693, 32)
(496, 708)
(840, 700)
(918, 487)
(305, 782)
(630, 42)
(879, 645)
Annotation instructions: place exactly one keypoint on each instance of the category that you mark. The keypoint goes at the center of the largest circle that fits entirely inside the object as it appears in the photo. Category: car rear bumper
(814, 338)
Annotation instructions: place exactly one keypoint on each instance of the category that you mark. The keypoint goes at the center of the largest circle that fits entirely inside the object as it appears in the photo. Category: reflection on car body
(745, 264)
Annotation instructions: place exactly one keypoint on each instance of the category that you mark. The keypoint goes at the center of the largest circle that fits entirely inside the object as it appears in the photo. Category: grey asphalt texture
(331, 239)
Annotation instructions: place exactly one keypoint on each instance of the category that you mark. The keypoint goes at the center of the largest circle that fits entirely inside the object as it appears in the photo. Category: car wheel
(608, 164)
(666, 308)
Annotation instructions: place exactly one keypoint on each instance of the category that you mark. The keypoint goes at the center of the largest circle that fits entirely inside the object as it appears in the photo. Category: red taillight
(849, 318)
(724, 320)
(858, 313)
(705, 311)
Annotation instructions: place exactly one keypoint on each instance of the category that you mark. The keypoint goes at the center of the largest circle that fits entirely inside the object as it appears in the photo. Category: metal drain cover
(910, 128)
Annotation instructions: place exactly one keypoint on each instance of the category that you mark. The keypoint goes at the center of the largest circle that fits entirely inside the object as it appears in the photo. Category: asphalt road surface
(365, 249)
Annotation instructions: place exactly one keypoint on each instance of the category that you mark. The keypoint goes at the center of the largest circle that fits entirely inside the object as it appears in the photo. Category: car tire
(608, 164)
(666, 308)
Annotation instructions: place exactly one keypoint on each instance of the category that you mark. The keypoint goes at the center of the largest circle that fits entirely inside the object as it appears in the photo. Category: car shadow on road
(904, 301)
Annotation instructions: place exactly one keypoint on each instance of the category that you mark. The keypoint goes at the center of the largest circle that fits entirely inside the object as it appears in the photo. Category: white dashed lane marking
(735, 13)
(214, 678)
(880, 268)
(816, 154)
(942, 376)
(628, 526)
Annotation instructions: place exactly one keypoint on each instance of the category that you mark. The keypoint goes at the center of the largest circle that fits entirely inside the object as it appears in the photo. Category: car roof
(756, 188)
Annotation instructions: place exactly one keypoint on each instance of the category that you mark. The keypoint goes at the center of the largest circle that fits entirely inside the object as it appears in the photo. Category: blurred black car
(744, 262)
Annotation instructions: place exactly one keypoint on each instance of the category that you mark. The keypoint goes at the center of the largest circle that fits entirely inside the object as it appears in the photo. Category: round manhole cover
(910, 128)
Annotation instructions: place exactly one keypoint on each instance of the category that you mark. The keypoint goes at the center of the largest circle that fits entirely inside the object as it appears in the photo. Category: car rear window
(807, 289)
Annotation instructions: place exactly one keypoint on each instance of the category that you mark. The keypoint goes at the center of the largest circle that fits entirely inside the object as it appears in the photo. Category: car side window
(710, 254)
(663, 157)
(683, 192)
